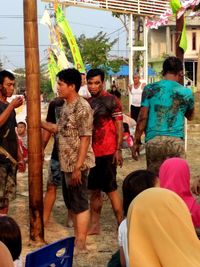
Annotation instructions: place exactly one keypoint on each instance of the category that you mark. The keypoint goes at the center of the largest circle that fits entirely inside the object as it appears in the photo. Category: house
(162, 43)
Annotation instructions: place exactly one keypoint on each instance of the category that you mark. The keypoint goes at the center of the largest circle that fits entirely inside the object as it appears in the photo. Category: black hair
(22, 122)
(134, 183)
(172, 65)
(6, 74)
(10, 235)
(70, 76)
(95, 72)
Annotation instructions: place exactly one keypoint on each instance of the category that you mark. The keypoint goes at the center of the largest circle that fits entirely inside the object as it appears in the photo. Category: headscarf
(161, 232)
(174, 174)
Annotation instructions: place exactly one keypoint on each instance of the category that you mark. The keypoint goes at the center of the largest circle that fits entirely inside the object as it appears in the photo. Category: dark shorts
(103, 176)
(135, 112)
(8, 173)
(54, 173)
(161, 148)
(76, 197)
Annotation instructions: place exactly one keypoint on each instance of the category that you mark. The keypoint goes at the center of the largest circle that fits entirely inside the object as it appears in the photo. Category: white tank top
(136, 96)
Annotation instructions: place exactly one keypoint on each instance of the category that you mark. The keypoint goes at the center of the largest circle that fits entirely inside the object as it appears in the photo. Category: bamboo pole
(34, 121)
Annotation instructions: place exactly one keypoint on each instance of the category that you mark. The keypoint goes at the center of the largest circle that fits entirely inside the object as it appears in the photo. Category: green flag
(183, 41)
(53, 70)
(176, 5)
(63, 24)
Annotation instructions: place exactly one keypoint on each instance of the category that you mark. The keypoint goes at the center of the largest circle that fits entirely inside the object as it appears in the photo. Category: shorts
(8, 172)
(135, 112)
(76, 197)
(103, 176)
(161, 148)
(54, 173)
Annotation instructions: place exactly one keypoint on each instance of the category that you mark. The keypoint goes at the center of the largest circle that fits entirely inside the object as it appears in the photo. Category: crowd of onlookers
(158, 216)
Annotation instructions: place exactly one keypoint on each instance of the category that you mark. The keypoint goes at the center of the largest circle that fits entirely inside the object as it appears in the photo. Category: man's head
(173, 65)
(69, 81)
(135, 183)
(21, 128)
(7, 83)
(83, 79)
(95, 81)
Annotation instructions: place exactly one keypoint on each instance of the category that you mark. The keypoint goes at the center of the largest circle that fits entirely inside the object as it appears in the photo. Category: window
(194, 41)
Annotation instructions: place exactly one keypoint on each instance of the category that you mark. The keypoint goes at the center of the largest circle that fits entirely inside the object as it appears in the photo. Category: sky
(82, 21)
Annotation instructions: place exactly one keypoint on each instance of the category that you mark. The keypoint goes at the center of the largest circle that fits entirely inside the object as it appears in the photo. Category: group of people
(153, 225)
(88, 136)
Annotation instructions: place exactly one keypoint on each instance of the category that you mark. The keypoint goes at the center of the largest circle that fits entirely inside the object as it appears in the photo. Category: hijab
(161, 232)
(174, 174)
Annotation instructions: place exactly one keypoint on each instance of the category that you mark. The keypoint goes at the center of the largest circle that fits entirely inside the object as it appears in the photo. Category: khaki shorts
(160, 148)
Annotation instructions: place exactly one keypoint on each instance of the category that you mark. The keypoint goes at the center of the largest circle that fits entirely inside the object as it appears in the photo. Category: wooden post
(34, 121)
(179, 28)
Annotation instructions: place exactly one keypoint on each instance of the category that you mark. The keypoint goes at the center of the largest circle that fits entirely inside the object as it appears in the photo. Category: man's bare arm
(46, 135)
(140, 128)
(82, 153)
(48, 126)
(141, 123)
(119, 136)
(15, 103)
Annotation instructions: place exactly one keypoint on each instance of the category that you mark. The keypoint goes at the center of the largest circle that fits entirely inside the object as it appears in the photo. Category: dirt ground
(101, 246)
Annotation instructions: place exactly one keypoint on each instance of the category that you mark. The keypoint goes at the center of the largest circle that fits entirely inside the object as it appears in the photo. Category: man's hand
(135, 150)
(17, 102)
(21, 166)
(76, 178)
(117, 157)
(195, 186)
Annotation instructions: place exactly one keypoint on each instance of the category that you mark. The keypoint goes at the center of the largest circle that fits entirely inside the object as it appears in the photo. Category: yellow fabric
(160, 231)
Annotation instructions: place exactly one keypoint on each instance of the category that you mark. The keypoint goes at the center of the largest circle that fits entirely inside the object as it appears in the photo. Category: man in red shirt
(106, 143)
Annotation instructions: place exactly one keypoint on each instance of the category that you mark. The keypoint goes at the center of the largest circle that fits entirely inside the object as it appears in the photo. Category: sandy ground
(105, 244)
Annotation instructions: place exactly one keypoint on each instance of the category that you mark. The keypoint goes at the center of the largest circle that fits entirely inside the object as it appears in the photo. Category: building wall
(160, 46)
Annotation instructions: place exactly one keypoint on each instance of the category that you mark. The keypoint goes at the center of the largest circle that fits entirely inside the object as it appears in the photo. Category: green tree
(95, 51)
(20, 80)
(45, 84)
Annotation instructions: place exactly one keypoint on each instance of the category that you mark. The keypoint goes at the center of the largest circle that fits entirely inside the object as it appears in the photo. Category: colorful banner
(56, 44)
(63, 24)
(53, 70)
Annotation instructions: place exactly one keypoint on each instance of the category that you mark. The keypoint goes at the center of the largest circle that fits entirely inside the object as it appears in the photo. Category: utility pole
(34, 121)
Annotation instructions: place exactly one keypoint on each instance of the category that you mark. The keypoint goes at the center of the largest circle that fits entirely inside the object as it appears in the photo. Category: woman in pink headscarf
(174, 174)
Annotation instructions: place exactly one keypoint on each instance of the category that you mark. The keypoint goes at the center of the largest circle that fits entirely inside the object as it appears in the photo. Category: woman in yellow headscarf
(161, 232)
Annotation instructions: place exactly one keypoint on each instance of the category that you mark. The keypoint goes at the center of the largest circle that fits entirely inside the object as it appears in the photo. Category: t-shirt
(168, 102)
(136, 95)
(8, 136)
(53, 115)
(76, 120)
(107, 109)
(83, 91)
(122, 239)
